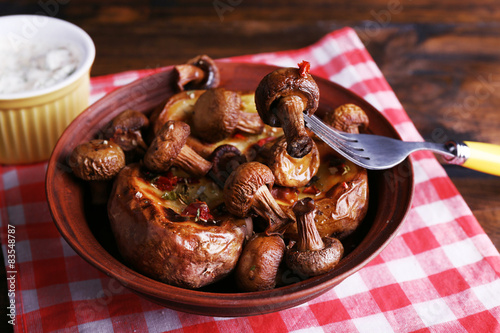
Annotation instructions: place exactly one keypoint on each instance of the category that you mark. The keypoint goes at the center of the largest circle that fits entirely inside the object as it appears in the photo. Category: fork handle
(484, 157)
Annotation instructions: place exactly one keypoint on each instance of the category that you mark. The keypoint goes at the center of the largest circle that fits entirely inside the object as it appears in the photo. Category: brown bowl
(87, 230)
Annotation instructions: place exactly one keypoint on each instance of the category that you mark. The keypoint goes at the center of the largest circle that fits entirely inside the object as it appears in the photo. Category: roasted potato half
(156, 238)
(340, 190)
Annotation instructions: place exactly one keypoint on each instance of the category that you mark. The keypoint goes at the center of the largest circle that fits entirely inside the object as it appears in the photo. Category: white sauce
(34, 66)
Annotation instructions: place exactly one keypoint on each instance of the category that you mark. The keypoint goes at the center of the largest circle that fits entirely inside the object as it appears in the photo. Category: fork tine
(338, 134)
(339, 144)
(329, 136)
(332, 133)
(342, 150)
(337, 138)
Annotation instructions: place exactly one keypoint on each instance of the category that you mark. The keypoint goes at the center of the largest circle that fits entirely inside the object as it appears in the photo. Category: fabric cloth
(440, 274)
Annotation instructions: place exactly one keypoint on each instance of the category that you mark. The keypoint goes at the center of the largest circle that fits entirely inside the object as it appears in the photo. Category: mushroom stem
(199, 147)
(309, 237)
(189, 73)
(191, 162)
(140, 141)
(266, 206)
(289, 111)
(250, 123)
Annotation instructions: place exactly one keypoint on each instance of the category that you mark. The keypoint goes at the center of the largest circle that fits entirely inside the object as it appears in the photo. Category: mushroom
(97, 161)
(201, 72)
(217, 114)
(247, 188)
(348, 118)
(169, 148)
(258, 265)
(289, 171)
(281, 99)
(225, 159)
(311, 255)
(125, 130)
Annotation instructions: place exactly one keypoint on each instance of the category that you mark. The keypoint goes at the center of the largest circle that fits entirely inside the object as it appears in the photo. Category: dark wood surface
(442, 58)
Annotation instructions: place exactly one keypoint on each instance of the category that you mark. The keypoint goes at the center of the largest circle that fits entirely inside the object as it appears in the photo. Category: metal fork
(376, 152)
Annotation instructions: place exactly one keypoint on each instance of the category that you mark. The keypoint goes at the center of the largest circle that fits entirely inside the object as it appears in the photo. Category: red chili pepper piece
(239, 136)
(304, 68)
(166, 183)
(199, 210)
(311, 190)
(262, 142)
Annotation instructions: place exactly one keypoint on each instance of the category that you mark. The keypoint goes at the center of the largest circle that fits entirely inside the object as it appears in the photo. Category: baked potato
(340, 191)
(157, 239)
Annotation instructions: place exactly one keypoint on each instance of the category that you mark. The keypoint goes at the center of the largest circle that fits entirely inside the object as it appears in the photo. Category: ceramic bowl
(89, 234)
(32, 121)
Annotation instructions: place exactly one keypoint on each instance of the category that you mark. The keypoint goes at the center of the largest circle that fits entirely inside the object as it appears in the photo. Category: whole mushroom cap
(348, 118)
(97, 160)
(216, 114)
(259, 263)
(282, 83)
(243, 183)
(318, 262)
(166, 145)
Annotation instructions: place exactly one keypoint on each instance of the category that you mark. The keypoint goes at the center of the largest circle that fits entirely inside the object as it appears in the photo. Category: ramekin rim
(83, 67)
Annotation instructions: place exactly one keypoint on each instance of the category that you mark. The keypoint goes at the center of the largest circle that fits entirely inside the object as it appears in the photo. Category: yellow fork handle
(484, 157)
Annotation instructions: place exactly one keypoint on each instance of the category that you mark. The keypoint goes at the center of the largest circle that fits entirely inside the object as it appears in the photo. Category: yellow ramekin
(31, 122)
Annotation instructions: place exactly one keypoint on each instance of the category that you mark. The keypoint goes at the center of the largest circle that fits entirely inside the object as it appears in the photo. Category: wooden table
(441, 58)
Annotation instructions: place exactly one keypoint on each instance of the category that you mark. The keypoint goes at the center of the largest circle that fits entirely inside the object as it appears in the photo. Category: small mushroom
(225, 159)
(348, 118)
(281, 99)
(125, 130)
(289, 171)
(201, 72)
(169, 148)
(259, 262)
(217, 114)
(311, 255)
(98, 162)
(247, 188)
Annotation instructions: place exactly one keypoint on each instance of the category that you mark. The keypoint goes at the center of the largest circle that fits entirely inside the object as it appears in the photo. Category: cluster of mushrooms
(244, 231)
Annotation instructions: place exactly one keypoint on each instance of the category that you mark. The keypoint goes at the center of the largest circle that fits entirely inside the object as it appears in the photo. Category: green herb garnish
(170, 195)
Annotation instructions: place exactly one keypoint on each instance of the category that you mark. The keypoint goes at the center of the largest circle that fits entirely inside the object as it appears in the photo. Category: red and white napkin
(440, 274)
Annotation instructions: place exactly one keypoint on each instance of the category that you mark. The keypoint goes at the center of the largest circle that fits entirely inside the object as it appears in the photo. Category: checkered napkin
(441, 273)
